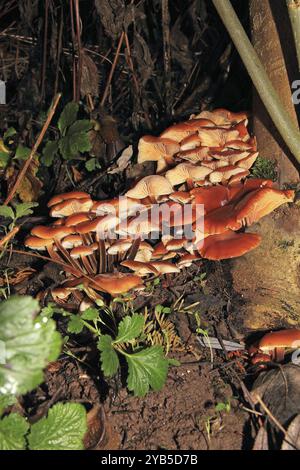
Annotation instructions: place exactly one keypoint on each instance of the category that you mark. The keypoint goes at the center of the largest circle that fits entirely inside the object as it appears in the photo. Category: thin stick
(22, 173)
(288, 130)
(294, 12)
(111, 73)
(130, 64)
(9, 236)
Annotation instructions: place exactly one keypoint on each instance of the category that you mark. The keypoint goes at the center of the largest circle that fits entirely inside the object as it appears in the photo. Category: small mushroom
(164, 267)
(186, 172)
(36, 243)
(222, 175)
(275, 343)
(48, 233)
(158, 149)
(65, 196)
(71, 206)
(141, 269)
(116, 283)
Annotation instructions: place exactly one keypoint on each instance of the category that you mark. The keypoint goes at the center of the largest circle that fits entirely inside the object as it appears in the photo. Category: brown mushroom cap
(83, 250)
(280, 339)
(65, 196)
(212, 198)
(185, 171)
(71, 206)
(155, 148)
(71, 241)
(220, 220)
(228, 245)
(163, 267)
(187, 260)
(196, 155)
(76, 219)
(61, 293)
(181, 196)
(120, 246)
(48, 233)
(116, 283)
(150, 186)
(224, 174)
(36, 243)
(261, 202)
(191, 142)
(141, 269)
(99, 224)
(216, 136)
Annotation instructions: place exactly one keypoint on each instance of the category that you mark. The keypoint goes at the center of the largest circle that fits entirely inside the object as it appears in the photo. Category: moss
(264, 168)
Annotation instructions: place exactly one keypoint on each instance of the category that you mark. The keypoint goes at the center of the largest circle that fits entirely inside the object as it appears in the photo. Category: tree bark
(267, 280)
(273, 40)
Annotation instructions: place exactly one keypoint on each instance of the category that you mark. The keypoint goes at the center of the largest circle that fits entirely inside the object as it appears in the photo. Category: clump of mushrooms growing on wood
(108, 246)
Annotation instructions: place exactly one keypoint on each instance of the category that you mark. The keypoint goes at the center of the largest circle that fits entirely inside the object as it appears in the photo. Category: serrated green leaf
(5, 401)
(63, 428)
(147, 368)
(130, 328)
(109, 358)
(22, 153)
(24, 208)
(12, 432)
(68, 116)
(75, 324)
(90, 314)
(79, 127)
(29, 344)
(49, 152)
(6, 211)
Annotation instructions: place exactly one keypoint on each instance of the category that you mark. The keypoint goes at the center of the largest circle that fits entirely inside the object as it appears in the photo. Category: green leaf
(174, 362)
(5, 401)
(109, 358)
(6, 211)
(9, 133)
(130, 328)
(4, 158)
(90, 314)
(63, 428)
(71, 146)
(22, 153)
(67, 117)
(79, 127)
(29, 345)
(49, 152)
(12, 432)
(25, 208)
(147, 368)
(75, 324)
(91, 164)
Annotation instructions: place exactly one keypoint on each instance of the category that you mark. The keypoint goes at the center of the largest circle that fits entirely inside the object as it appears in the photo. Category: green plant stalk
(285, 125)
(294, 13)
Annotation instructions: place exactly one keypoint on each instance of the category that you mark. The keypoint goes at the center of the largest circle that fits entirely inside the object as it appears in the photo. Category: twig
(59, 51)
(130, 64)
(288, 130)
(111, 73)
(78, 35)
(22, 173)
(294, 12)
(9, 236)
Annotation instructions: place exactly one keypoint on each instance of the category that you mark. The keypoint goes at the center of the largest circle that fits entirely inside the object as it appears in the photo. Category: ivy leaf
(22, 153)
(7, 212)
(75, 324)
(12, 432)
(63, 428)
(147, 368)
(90, 314)
(130, 328)
(29, 344)
(25, 208)
(67, 117)
(49, 152)
(109, 358)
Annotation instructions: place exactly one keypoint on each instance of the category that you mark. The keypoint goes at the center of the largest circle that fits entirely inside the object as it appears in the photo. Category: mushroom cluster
(114, 246)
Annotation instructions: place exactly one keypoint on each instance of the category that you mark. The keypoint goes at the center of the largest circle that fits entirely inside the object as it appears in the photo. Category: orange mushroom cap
(65, 196)
(280, 339)
(116, 283)
(261, 202)
(228, 245)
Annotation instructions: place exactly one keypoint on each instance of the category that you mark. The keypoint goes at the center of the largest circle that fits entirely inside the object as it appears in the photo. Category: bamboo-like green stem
(282, 120)
(294, 13)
